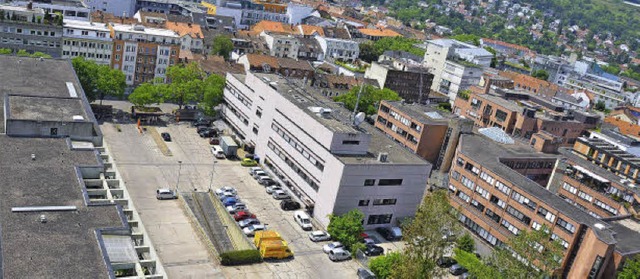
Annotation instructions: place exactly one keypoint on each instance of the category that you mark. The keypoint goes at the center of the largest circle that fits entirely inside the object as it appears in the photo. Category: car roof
(338, 250)
(318, 233)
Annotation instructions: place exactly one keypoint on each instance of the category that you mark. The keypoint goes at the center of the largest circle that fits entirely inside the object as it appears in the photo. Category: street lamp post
(212, 171)
(178, 181)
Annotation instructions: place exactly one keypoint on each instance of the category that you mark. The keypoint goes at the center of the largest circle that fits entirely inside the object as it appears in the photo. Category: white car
(259, 173)
(217, 151)
(252, 170)
(333, 245)
(273, 188)
(232, 209)
(339, 254)
(317, 236)
(280, 195)
(251, 230)
(226, 189)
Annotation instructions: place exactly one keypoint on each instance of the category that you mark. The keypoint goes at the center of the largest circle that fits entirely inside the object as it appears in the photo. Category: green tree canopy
(88, 75)
(468, 38)
(371, 51)
(347, 228)
(466, 243)
(540, 74)
(146, 94)
(369, 99)
(213, 91)
(222, 45)
(186, 84)
(98, 81)
(383, 265)
(631, 269)
(424, 241)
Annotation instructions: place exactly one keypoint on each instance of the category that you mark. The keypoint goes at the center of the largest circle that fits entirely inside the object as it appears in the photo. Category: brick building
(411, 83)
(534, 86)
(494, 187)
(627, 119)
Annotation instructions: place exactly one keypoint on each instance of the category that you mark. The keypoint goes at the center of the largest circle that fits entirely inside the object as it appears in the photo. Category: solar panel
(496, 134)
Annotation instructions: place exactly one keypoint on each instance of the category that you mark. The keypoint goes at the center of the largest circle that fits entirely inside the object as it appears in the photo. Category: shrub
(240, 257)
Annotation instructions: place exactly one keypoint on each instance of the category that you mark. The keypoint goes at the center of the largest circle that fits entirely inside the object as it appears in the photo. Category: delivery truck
(229, 146)
(271, 245)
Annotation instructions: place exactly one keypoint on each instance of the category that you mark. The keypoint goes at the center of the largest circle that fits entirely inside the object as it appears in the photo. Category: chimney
(30, 5)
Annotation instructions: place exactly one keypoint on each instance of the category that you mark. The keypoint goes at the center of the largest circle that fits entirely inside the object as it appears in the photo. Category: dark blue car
(229, 201)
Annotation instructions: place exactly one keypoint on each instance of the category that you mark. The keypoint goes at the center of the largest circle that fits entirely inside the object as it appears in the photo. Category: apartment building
(312, 144)
(612, 151)
(499, 190)
(124, 8)
(603, 89)
(626, 119)
(287, 67)
(87, 39)
(420, 128)
(376, 34)
(281, 45)
(143, 53)
(185, 8)
(25, 28)
(339, 49)
(543, 124)
(411, 83)
(455, 65)
(331, 85)
(534, 86)
(250, 12)
(309, 49)
(191, 36)
(70, 9)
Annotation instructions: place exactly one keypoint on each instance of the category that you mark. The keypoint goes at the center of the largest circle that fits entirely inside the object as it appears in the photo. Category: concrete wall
(75, 130)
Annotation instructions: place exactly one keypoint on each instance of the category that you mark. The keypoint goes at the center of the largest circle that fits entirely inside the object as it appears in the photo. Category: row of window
(294, 165)
(237, 113)
(87, 44)
(474, 227)
(236, 93)
(306, 152)
(378, 202)
(589, 198)
(523, 200)
(86, 33)
(518, 215)
(28, 31)
(22, 41)
(379, 219)
(66, 53)
(383, 182)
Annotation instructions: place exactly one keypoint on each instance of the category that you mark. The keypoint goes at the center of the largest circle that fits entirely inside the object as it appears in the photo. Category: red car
(241, 215)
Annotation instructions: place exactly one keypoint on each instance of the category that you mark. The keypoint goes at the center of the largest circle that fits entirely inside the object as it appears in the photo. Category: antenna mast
(355, 109)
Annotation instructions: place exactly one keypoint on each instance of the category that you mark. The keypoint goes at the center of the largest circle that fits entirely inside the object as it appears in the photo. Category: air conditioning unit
(382, 157)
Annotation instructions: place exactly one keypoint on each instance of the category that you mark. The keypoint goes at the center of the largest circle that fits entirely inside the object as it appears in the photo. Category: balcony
(588, 178)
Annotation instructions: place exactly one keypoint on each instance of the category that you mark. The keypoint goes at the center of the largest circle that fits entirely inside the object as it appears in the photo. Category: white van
(303, 220)
(217, 152)
(165, 194)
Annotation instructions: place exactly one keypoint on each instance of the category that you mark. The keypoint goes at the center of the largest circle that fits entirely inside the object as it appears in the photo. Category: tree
(110, 82)
(369, 99)
(88, 75)
(475, 266)
(146, 94)
(23, 53)
(222, 45)
(347, 228)
(5, 51)
(368, 52)
(186, 84)
(424, 241)
(601, 106)
(213, 91)
(466, 243)
(631, 269)
(39, 54)
(540, 74)
(382, 266)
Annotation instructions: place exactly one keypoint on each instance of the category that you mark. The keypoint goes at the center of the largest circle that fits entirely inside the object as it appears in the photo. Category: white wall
(116, 7)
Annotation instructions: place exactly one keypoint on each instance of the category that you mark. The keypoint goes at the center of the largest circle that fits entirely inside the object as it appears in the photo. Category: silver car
(280, 195)
(339, 254)
(317, 236)
(248, 222)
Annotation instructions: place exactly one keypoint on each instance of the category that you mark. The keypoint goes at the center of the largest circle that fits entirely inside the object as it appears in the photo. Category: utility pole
(178, 181)
(212, 171)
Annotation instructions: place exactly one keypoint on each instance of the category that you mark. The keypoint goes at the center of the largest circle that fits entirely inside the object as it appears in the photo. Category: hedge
(240, 257)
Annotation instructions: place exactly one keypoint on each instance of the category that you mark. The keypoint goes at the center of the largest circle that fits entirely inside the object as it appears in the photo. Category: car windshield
(305, 221)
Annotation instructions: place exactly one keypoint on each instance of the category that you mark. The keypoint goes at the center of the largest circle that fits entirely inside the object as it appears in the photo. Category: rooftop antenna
(355, 109)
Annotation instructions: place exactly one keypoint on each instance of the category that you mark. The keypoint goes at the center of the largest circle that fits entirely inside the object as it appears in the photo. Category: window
(455, 175)
(379, 219)
(484, 193)
(595, 268)
(566, 225)
(470, 167)
(477, 205)
(488, 178)
(54, 131)
(518, 215)
(493, 216)
(467, 182)
(363, 203)
(463, 196)
(255, 130)
(384, 201)
(390, 182)
(369, 182)
(495, 200)
(563, 242)
(546, 214)
(259, 113)
(569, 188)
(536, 226)
(523, 200)
(585, 196)
(460, 162)
(510, 227)
(351, 142)
(606, 207)
(503, 188)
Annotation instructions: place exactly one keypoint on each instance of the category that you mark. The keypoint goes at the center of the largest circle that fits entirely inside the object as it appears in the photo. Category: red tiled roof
(378, 32)
(274, 26)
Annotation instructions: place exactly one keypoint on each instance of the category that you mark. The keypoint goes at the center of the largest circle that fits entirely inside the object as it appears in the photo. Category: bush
(240, 257)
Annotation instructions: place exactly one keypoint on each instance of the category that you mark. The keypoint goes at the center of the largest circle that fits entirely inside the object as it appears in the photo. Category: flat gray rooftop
(488, 153)
(43, 108)
(66, 246)
(426, 114)
(511, 105)
(627, 234)
(30, 76)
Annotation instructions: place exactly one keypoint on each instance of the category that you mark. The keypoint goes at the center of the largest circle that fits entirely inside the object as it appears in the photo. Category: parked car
(208, 133)
(272, 189)
(236, 207)
(225, 189)
(303, 219)
(226, 195)
(364, 273)
(457, 269)
(242, 215)
(201, 128)
(466, 275)
(217, 151)
(166, 194)
(248, 222)
(266, 181)
(446, 262)
(392, 233)
(333, 245)
(289, 205)
(248, 162)
(259, 173)
(200, 122)
(229, 201)
(165, 136)
(280, 195)
(253, 170)
(367, 241)
(251, 230)
(270, 182)
(373, 250)
(339, 254)
(317, 236)
(214, 141)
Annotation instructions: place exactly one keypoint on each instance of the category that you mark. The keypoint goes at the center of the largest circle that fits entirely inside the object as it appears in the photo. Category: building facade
(87, 39)
(332, 165)
(143, 53)
(70, 9)
(25, 28)
(339, 49)
(124, 8)
(281, 45)
(411, 84)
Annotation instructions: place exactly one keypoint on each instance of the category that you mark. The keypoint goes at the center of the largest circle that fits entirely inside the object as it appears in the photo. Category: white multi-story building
(87, 39)
(458, 76)
(281, 45)
(311, 143)
(70, 9)
(117, 7)
(442, 50)
(339, 49)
